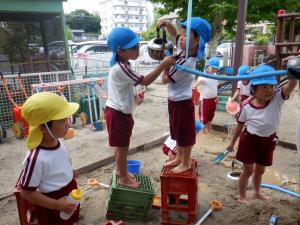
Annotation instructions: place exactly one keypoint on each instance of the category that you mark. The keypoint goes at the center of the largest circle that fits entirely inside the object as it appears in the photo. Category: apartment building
(124, 13)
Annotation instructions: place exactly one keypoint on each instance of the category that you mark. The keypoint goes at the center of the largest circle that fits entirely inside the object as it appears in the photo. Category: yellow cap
(76, 194)
(41, 108)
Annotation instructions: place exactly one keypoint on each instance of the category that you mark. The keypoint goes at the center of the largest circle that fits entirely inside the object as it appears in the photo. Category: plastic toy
(20, 126)
(214, 206)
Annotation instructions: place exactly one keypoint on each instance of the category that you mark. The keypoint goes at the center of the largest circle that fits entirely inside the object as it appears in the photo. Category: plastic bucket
(133, 166)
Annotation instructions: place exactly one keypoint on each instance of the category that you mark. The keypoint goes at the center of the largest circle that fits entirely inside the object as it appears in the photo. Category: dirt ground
(211, 185)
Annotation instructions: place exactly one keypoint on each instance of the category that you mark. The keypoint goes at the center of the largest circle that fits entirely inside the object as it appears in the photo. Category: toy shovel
(221, 156)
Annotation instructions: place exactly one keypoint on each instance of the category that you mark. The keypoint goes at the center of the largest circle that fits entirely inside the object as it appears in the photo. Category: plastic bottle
(74, 197)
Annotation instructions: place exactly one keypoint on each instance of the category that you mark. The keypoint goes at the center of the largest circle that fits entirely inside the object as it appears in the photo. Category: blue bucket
(133, 166)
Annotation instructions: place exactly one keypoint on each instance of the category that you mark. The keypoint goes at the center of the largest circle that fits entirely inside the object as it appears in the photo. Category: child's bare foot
(181, 168)
(129, 175)
(262, 197)
(243, 200)
(174, 162)
(129, 182)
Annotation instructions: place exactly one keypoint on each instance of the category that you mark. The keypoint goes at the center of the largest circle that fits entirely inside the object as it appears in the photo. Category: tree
(82, 19)
(151, 32)
(223, 13)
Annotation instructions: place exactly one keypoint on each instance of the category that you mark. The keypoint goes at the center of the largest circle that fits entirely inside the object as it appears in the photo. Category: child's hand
(139, 98)
(230, 148)
(169, 61)
(162, 23)
(63, 205)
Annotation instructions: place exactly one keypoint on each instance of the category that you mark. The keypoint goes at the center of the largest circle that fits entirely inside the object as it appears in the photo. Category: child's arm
(236, 133)
(165, 78)
(38, 198)
(198, 82)
(289, 87)
(170, 27)
(166, 63)
(235, 96)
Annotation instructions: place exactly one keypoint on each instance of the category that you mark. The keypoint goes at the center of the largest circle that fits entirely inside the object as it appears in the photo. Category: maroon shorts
(256, 149)
(47, 216)
(182, 122)
(119, 127)
(207, 109)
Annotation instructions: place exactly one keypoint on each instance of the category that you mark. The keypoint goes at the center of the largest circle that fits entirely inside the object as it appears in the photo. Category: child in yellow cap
(47, 175)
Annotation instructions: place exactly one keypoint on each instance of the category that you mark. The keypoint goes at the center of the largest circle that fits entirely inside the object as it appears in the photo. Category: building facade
(123, 13)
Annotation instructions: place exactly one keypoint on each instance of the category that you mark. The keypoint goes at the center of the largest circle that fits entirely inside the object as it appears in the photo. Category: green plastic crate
(129, 203)
(222, 100)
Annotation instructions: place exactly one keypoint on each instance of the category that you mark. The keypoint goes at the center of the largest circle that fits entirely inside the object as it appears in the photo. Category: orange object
(69, 134)
(156, 204)
(232, 107)
(92, 182)
(215, 205)
(195, 96)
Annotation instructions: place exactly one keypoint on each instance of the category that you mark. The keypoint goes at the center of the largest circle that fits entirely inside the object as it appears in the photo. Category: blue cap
(203, 29)
(214, 62)
(243, 70)
(264, 80)
(121, 38)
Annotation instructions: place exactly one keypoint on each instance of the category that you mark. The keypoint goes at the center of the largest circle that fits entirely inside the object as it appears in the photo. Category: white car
(225, 50)
(94, 56)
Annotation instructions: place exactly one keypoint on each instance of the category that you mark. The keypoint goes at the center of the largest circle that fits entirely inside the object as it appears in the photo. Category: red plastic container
(26, 210)
(179, 195)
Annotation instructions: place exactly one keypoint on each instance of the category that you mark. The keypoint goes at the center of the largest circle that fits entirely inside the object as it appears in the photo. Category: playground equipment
(20, 126)
(91, 106)
(80, 86)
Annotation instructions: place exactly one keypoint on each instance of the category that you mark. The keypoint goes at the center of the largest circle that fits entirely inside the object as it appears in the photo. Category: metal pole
(239, 40)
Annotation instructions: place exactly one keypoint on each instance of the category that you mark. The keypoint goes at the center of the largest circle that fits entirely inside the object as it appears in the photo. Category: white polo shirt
(180, 85)
(47, 169)
(244, 89)
(208, 88)
(121, 80)
(262, 121)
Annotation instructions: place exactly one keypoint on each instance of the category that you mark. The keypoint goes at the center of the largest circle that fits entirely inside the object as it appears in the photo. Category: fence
(11, 90)
(89, 68)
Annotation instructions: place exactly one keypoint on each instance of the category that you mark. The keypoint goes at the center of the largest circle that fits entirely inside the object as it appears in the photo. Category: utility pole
(239, 40)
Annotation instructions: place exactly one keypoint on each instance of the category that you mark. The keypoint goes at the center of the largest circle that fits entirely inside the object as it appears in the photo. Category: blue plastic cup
(133, 166)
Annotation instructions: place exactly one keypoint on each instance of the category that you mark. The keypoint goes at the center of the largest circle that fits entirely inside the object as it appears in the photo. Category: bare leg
(121, 161)
(186, 160)
(118, 172)
(243, 182)
(178, 158)
(208, 126)
(257, 176)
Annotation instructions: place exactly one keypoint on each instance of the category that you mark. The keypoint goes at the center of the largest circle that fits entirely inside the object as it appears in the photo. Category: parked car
(225, 50)
(94, 56)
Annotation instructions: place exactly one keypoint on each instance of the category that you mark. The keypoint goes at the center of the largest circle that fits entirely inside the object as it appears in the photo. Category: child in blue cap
(208, 89)
(261, 115)
(124, 44)
(180, 104)
(243, 86)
